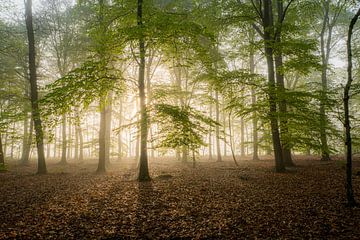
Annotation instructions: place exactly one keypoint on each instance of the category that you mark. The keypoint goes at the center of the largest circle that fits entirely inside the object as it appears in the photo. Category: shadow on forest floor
(213, 200)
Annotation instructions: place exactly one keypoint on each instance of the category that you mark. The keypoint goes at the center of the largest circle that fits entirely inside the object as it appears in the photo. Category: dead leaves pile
(214, 200)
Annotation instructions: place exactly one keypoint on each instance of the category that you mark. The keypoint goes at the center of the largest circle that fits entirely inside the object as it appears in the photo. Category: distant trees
(252, 75)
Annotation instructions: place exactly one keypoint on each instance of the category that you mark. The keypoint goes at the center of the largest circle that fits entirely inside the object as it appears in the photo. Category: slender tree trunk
(325, 51)
(232, 141)
(27, 140)
(70, 141)
(149, 96)
(64, 142)
(242, 137)
(217, 128)
(210, 133)
(137, 144)
(225, 137)
(102, 135)
(81, 142)
(76, 144)
(268, 25)
(120, 131)
(254, 117)
(143, 164)
(33, 89)
(349, 188)
(54, 149)
(2, 157)
(108, 109)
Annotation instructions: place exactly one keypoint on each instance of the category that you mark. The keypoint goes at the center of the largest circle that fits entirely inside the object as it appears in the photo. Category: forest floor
(213, 200)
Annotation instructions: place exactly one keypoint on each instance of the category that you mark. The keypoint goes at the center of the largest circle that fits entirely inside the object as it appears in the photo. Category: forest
(179, 119)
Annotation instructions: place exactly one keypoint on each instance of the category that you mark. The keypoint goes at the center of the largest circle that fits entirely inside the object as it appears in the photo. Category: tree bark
(242, 137)
(325, 52)
(348, 142)
(108, 109)
(27, 140)
(64, 142)
(284, 131)
(210, 133)
(268, 25)
(2, 157)
(33, 89)
(217, 128)
(102, 134)
(120, 131)
(253, 102)
(143, 164)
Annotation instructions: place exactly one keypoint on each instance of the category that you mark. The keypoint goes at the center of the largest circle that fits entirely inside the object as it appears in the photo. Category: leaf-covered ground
(214, 200)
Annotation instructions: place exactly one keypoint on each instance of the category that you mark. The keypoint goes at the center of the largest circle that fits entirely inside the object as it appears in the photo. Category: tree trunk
(225, 137)
(2, 157)
(120, 131)
(254, 117)
(27, 140)
(108, 109)
(143, 164)
(242, 137)
(81, 143)
(64, 142)
(210, 133)
(325, 51)
(284, 131)
(102, 134)
(149, 95)
(34, 90)
(217, 128)
(349, 188)
(268, 25)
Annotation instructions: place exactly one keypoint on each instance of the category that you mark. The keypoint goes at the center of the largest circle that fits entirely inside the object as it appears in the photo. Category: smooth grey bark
(224, 129)
(143, 163)
(64, 140)
(242, 137)
(81, 143)
(325, 54)
(210, 146)
(268, 25)
(103, 98)
(217, 127)
(2, 157)
(231, 140)
(284, 131)
(326, 36)
(149, 95)
(253, 102)
(120, 143)
(33, 89)
(108, 111)
(27, 140)
(102, 134)
(348, 142)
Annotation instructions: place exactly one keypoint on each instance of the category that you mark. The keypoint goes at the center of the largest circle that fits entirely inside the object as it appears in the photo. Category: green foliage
(181, 126)
(81, 86)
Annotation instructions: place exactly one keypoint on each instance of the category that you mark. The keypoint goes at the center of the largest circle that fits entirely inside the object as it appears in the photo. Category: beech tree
(34, 90)
(349, 188)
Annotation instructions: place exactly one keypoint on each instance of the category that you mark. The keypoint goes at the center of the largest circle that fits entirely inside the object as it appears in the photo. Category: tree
(349, 188)
(268, 26)
(326, 41)
(143, 163)
(33, 89)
